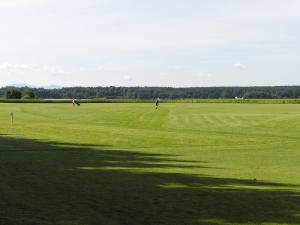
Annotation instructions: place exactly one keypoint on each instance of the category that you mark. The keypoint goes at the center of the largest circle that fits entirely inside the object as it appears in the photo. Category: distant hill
(22, 85)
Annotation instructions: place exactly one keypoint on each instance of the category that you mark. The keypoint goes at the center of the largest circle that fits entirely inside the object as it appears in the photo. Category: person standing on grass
(157, 103)
(73, 101)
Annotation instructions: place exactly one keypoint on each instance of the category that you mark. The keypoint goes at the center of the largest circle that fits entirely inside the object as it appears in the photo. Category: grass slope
(129, 164)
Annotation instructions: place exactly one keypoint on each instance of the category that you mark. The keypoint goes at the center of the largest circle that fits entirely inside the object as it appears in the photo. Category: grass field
(129, 164)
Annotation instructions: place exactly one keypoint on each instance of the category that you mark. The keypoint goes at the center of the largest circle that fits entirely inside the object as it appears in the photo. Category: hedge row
(239, 101)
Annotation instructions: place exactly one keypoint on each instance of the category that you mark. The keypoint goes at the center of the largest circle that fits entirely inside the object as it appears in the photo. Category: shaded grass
(44, 183)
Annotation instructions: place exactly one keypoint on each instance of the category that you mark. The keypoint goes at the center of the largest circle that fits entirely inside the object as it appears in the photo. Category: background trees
(13, 93)
(152, 92)
(28, 94)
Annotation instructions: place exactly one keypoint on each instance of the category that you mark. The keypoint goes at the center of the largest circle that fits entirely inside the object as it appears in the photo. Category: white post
(12, 118)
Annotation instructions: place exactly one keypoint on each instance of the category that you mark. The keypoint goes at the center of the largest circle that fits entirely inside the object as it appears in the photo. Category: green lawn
(129, 164)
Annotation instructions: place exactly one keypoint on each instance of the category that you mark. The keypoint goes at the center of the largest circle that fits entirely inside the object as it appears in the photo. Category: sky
(174, 43)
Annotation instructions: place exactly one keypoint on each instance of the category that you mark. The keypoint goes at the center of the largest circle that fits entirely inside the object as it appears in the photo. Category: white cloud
(20, 3)
(100, 68)
(127, 78)
(145, 39)
(33, 68)
(239, 66)
(34, 74)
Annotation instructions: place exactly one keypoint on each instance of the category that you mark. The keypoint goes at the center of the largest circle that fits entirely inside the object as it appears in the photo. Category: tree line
(152, 92)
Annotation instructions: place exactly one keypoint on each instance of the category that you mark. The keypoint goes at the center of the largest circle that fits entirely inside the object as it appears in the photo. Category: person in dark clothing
(157, 103)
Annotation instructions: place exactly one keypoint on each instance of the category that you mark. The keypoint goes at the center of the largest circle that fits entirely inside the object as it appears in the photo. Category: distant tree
(28, 94)
(13, 93)
(261, 94)
(154, 92)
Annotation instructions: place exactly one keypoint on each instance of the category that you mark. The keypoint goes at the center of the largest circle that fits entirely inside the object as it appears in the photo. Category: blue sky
(150, 43)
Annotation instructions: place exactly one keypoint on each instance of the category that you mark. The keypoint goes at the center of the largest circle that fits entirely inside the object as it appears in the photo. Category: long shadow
(55, 183)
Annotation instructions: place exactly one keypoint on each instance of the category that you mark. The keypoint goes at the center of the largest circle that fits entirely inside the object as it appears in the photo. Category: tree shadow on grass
(53, 183)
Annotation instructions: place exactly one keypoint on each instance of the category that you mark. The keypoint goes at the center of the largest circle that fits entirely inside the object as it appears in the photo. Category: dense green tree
(28, 94)
(13, 93)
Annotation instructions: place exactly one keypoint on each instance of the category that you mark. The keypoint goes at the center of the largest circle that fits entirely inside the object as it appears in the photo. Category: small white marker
(12, 118)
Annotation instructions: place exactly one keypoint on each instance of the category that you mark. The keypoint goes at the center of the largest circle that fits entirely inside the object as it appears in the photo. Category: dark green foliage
(13, 93)
(150, 93)
(28, 94)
